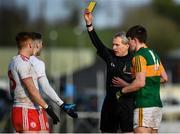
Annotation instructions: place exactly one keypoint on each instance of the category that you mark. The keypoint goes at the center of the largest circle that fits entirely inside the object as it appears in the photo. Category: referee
(115, 113)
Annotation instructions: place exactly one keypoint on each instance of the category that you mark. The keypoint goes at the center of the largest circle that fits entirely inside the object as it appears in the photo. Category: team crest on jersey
(33, 124)
(112, 64)
(125, 70)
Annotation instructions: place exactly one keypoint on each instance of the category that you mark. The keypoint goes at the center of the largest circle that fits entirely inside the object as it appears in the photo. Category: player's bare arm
(164, 77)
(33, 92)
(138, 83)
(163, 74)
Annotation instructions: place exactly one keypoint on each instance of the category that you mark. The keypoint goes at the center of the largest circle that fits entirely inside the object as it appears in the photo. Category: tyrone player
(28, 112)
(43, 82)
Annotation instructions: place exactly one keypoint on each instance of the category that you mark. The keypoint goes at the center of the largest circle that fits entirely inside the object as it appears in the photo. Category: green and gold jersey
(145, 60)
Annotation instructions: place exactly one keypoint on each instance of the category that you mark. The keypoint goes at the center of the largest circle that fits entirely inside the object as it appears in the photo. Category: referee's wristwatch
(89, 25)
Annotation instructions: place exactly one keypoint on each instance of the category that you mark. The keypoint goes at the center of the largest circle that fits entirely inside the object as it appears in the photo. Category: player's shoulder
(33, 58)
(20, 59)
(141, 52)
(36, 61)
(19, 62)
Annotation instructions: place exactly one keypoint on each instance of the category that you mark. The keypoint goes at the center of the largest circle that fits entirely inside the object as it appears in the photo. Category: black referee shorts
(117, 115)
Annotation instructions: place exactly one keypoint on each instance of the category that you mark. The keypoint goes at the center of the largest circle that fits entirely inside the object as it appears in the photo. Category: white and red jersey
(43, 82)
(38, 66)
(20, 68)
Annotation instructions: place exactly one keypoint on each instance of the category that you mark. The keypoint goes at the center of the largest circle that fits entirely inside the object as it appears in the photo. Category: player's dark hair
(138, 32)
(36, 36)
(23, 36)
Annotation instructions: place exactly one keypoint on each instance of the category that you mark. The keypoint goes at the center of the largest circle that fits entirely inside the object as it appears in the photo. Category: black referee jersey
(116, 66)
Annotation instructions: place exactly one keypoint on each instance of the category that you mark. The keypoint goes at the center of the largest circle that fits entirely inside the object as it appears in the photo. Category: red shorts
(25, 119)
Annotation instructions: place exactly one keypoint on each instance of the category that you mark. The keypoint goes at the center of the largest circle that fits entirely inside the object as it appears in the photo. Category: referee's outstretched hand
(51, 113)
(118, 82)
(69, 109)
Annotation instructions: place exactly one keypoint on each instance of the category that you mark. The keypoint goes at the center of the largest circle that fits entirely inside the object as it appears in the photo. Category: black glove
(119, 94)
(69, 109)
(51, 113)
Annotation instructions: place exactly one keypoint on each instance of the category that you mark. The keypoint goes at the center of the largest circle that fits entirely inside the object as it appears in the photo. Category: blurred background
(74, 70)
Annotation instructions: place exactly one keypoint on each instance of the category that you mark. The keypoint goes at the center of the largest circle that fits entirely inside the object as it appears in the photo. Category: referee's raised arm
(88, 17)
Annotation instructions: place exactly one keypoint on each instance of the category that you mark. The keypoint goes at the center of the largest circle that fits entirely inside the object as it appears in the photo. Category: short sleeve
(24, 70)
(139, 64)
